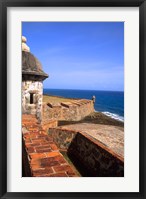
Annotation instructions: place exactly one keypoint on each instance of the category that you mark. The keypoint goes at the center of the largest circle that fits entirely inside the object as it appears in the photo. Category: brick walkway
(44, 158)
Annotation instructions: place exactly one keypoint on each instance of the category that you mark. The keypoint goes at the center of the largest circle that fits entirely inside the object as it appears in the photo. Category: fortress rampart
(74, 110)
(93, 157)
(100, 156)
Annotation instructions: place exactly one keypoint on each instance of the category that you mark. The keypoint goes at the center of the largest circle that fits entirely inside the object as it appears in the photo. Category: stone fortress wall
(91, 157)
(74, 110)
(42, 148)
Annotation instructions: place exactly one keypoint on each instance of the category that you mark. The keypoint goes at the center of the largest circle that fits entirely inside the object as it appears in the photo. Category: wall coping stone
(85, 133)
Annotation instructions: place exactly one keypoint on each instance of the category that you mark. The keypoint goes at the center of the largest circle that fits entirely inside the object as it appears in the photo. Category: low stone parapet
(46, 124)
(94, 156)
(74, 110)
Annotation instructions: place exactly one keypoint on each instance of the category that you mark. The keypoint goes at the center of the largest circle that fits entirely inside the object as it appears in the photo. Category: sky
(79, 55)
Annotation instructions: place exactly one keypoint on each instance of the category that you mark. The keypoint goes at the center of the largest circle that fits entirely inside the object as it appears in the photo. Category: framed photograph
(72, 99)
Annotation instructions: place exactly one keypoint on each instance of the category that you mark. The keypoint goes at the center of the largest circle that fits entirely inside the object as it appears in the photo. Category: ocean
(111, 103)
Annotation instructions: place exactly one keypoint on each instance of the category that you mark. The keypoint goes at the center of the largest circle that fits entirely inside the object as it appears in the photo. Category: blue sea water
(110, 103)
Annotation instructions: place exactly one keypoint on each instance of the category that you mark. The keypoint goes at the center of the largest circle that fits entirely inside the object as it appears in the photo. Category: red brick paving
(45, 160)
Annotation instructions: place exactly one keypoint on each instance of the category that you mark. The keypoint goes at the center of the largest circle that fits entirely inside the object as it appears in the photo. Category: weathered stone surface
(110, 136)
(24, 45)
(36, 88)
(99, 149)
(69, 111)
(32, 86)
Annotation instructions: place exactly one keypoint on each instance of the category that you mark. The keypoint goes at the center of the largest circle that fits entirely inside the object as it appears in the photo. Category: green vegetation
(55, 99)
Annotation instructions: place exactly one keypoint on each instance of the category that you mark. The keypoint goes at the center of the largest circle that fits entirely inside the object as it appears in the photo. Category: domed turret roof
(31, 67)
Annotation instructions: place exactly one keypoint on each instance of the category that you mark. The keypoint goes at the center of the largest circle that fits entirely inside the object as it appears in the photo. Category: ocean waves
(114, 116)
(110, 103)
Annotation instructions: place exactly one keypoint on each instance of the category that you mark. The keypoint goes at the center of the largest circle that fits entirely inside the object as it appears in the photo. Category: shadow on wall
(26, 172)
(89, 156)
(93, 161)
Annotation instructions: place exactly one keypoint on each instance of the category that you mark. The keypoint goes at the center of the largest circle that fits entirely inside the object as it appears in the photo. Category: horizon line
(83, 89)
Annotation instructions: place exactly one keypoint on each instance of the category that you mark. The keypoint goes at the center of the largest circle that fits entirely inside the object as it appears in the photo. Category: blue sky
(79, 55)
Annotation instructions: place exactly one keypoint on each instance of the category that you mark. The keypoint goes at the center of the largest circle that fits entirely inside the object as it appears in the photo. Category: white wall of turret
(34, 105)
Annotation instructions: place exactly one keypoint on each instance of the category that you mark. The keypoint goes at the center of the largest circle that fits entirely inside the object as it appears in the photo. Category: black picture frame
(4, 4)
